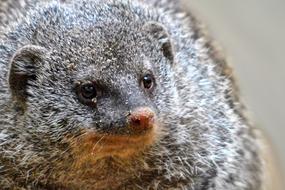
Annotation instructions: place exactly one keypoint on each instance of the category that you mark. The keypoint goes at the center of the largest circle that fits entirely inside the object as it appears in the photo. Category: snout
(134, 122)
(138, 132)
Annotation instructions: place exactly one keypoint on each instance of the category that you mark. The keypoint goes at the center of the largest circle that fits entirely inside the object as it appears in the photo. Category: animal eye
(87, 93)
(88, 90)
(148, 81)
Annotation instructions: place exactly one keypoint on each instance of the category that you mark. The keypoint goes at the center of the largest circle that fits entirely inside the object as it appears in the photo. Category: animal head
(104, 74)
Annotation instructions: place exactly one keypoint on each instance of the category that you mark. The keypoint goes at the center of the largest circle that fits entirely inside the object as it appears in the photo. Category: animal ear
(159, 33)
(23, 67)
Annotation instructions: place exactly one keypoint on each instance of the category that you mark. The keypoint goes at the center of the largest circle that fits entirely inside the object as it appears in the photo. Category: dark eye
(87, 92)
(148, 81)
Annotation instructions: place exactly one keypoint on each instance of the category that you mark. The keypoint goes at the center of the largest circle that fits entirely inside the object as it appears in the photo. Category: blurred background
(252, 33)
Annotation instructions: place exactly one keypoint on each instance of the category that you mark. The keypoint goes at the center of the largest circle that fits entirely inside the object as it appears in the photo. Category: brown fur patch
(95, 156)
(102, 145)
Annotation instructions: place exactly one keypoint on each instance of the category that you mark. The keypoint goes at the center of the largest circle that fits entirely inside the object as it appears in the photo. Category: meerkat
(105, 94)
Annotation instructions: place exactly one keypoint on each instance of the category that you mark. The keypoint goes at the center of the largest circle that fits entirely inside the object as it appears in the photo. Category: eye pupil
(88, 90)
(147, 81)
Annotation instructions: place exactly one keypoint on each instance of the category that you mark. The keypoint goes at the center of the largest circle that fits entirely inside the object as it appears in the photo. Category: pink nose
(141, 118)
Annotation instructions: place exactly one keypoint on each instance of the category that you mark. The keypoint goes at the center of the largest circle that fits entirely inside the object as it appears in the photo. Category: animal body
(103, 94)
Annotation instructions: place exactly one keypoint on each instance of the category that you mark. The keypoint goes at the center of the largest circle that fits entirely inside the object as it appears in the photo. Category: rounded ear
(159, 33)
(22, 69)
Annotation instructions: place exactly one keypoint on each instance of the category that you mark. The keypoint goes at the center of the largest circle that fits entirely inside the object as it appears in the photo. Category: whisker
(93, 149)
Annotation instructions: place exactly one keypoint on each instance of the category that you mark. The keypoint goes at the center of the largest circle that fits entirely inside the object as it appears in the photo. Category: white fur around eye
(147, 65)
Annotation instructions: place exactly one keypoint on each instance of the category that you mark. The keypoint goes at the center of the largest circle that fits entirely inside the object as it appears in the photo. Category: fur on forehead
(79, 16)
(100, 31)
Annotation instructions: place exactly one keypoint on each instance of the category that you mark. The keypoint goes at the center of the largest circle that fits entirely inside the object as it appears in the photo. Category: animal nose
(141, 118)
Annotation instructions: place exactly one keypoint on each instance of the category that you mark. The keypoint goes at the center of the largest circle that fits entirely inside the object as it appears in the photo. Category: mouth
(119, 145)
(105, 145)
(139, 133)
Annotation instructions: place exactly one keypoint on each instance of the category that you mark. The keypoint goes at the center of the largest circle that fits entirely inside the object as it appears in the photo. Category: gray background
(252, 34)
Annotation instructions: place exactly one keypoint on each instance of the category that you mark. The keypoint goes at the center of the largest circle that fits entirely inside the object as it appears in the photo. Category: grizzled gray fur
(203, 142)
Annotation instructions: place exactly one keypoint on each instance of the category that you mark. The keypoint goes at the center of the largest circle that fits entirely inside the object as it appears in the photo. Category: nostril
(136, 121)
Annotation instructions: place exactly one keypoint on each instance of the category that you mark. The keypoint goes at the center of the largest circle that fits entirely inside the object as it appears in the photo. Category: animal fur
(203, 141)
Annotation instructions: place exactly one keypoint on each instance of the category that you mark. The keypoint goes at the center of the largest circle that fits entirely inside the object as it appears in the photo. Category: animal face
(95, 80)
